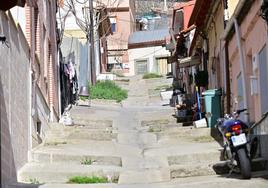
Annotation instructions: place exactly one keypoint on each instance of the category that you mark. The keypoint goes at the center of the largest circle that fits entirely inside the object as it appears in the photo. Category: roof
(187, 8)
(6, 5)
(148, 38)
(201, 9)
(180, 5)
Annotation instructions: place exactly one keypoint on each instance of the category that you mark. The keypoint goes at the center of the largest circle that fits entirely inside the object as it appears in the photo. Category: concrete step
(91, 123)
(80, 132)
(196, 164)
(55, 157)
(92, 135)
(195, 169)
(82, 147)
(145, 162)
(178, 128)
(61, 172)
(144, 176)
(209, 157)
(159, 122)
(258, 180)
(207, 167)
(141, 139)
(189, 134)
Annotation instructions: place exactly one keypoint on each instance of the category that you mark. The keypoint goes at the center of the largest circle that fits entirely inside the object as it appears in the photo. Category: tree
(88, 19)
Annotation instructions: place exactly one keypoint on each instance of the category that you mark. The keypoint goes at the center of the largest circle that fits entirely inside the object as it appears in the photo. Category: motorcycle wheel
(244, 163)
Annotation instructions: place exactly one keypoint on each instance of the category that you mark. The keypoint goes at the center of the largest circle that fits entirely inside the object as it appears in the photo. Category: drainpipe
(242, 65)
(227, 78)
(58, 78)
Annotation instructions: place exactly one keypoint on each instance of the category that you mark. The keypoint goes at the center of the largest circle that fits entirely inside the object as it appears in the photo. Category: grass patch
(151, 130)
(87, 180)
(86, 161)
(155, 129)
(108, 90)
(34, 181)
(151, 75)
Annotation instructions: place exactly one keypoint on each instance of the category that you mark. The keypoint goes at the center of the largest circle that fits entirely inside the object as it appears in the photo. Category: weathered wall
(214, 31)
(119, 39)
(14, 99)
(252, 26)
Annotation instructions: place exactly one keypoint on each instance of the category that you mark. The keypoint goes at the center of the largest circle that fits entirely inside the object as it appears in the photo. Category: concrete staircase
(136, 144)
(84, 149)
(155, 153)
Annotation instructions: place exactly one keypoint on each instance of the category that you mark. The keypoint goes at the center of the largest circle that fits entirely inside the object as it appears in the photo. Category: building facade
(146, 53)
(247, 53)
(15, 100)
(210, 19)
(29, 81)
(122, 18)
(41, 35)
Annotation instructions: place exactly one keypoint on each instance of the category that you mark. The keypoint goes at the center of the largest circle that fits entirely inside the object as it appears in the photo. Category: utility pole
(165, 6)
(91, 43)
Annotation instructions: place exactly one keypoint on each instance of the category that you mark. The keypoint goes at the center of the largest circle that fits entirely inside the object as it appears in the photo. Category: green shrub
(151, 75)
(87, 180)
(108, 90)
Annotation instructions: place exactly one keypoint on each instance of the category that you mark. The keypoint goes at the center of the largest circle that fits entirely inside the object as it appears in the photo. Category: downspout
(227, 78)
(59, 84)
(226, 62)
(242, 65)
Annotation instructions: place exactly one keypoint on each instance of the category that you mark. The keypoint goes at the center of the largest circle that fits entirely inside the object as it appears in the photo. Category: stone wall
(14, 99)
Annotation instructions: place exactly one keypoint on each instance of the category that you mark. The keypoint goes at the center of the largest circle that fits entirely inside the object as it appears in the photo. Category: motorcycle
(236, 143)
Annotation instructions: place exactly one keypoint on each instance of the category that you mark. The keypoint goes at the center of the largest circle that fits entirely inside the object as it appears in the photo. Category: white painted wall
(15, 102)
(150, 53)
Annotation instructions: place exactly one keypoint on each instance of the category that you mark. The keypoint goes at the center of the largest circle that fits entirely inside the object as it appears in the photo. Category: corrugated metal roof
(148, 36)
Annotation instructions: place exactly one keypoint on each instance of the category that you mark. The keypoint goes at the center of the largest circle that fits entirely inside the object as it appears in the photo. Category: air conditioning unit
(255, 63)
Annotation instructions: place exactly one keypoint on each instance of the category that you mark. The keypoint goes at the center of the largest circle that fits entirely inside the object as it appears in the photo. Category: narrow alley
(133, 93)
(133, 145)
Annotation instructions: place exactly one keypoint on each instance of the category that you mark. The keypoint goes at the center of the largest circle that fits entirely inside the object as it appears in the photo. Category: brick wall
(43, 39)
(14, 99)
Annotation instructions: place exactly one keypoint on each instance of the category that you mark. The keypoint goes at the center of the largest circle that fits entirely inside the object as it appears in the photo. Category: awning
(189, 61)
(172, 59)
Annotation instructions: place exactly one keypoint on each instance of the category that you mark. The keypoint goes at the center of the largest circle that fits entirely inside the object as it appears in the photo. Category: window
(263, 79)
(113, 24)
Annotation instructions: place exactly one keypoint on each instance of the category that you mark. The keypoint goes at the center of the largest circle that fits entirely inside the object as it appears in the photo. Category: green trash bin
(212, 105)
